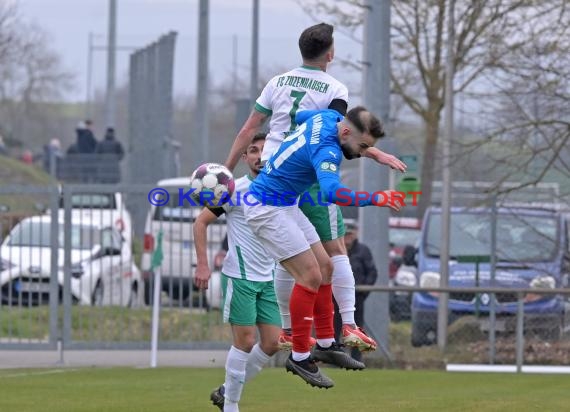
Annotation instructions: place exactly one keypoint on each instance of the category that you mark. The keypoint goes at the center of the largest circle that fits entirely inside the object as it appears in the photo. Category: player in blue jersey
(311, 87)
(312, 153)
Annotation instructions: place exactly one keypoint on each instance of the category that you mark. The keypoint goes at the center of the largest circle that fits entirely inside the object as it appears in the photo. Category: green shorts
(247, 303)
(327, 220)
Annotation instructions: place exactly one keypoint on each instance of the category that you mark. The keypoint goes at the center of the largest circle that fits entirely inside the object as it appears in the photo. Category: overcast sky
(69, 22)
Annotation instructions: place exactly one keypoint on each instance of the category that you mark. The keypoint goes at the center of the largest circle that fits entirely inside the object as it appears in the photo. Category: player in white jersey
(247, 283)
(309, 87)
(302, 88)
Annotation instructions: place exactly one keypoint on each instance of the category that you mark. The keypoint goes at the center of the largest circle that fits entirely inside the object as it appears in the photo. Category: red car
(404, 231)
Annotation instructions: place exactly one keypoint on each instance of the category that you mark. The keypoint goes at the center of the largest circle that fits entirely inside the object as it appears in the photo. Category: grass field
(182, 389)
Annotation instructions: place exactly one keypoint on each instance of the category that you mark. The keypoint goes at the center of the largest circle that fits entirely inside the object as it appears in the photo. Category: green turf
(182, 389)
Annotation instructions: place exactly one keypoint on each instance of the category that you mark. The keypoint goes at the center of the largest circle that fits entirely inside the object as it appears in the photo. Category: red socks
(324, 313)
(301, 307)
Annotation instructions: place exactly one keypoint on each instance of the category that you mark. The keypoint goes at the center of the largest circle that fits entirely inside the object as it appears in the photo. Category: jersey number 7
(297, 96)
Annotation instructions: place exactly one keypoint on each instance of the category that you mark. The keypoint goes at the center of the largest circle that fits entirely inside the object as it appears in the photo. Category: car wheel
(98, 293)
(423, 333)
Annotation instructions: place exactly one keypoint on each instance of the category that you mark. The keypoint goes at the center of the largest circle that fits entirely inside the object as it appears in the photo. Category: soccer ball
(213, 185)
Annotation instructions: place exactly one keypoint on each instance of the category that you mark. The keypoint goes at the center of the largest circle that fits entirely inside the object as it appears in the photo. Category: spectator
(109, 171)
(365, 273)
(52, 156)
(27, 157)
(72, 149)
(86, 142)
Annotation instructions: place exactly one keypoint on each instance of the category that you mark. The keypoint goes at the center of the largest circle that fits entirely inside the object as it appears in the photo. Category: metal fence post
(520, 331)
(492, 309)
(54, 331)
(66, 267)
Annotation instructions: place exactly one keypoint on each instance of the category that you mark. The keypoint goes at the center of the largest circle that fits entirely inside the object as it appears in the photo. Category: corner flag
(157, 255)
(156, 261)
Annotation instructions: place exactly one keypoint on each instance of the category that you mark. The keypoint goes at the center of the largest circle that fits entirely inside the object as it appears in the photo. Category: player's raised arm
(200, 229)
(243, 139)
(385, 159)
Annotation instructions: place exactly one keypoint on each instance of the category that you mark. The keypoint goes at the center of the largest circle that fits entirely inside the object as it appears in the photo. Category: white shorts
(284, 231)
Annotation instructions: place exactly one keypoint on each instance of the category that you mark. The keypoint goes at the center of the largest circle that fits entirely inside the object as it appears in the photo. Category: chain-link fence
(75, 271)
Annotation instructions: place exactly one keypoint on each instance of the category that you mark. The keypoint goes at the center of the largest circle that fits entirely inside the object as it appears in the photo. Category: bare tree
(8, 18)
(489, 36)
(31, 77)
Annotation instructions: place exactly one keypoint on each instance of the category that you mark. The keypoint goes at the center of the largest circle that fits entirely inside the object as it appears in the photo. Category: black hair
(316, 40)
(365, 122)
(258, 137)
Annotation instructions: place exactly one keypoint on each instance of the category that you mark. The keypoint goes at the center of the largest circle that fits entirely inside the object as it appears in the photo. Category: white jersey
(303, 88)
(246, 257)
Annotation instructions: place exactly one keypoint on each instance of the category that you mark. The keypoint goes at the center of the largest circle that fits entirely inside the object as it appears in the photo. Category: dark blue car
(532, 251)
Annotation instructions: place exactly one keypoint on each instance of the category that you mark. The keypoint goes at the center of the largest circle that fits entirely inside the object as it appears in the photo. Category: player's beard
(348, 153)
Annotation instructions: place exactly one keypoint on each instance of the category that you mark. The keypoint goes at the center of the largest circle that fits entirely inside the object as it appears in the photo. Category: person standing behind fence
(80, 164)
(52, 156)
(86, 141)
(109, 170)
(365, 273)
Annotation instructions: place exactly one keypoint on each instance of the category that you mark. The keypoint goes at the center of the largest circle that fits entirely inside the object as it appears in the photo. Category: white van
(177, 269)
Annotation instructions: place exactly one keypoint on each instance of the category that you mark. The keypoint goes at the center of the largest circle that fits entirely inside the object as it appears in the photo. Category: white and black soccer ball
(213, 184)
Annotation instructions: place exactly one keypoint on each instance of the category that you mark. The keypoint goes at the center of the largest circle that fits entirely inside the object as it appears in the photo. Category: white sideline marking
(19, 375)
(508, 368)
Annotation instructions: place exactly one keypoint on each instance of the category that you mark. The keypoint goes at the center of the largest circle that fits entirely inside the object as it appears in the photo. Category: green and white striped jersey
(303, 88)
(246, 257)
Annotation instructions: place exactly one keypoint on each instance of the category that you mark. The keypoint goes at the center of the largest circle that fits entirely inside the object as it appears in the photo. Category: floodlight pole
(254, 53)
(201, 133)
(110, 105)
(374, 220)
(442, 309)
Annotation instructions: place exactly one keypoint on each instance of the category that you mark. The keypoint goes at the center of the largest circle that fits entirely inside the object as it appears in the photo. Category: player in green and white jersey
(310, 87)
(247, 284)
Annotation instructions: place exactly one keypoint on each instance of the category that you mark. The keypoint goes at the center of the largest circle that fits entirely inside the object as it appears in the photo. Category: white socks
(240, 368)
(283, 285)
(235, 374)
(343, 288)
(255, 362)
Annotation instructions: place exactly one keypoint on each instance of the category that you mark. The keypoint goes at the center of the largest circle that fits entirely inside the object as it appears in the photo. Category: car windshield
(400, 236)
(37, 234)
(91, 201)
(520, 238)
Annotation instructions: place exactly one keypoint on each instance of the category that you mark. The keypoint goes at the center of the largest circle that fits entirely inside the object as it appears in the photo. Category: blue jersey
(311, 154)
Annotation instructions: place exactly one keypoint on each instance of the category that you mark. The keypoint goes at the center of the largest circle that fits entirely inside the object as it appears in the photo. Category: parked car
(403, 231)
(102, 208)
(102, 271)
(179, 261)
(401, 301)
(532, 251)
